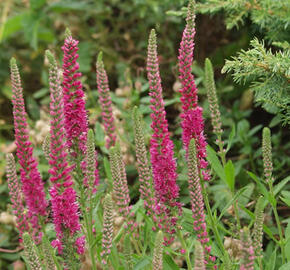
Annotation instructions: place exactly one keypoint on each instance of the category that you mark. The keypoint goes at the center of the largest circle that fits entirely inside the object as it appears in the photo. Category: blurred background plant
(120, 29)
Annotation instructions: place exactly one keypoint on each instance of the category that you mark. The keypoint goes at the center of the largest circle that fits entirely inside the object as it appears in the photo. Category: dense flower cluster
(76, 124)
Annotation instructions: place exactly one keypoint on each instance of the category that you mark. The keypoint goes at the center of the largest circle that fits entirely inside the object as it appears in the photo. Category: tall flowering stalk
(120, 187)
(157, 263)
(63, 195)
(198, 257)
(161, 147)
(214, 108)
(197, 203)
(268, 171)
(32, 184)
(31, 254)
(248, 253)
(267, 155)
(257, 234)
(106, 103)
(191, 117)
(107, 228)
(16, 196)
(76, 123)
(143, 166)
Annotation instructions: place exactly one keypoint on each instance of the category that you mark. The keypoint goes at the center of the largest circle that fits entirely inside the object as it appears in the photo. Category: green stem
(281, 242)
(136, 246)
(212, 220)
(222, 155)
(184, 246)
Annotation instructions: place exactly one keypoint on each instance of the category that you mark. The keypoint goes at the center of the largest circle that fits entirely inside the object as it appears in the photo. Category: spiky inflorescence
(120, 187)
(32, 184)
(213, 100)
(157, 263)
(143, 166)
(198, 257)
(267, 155)
(63, 196)
(197, 204)
(48, 255)
(248, 253)
(107, 228)
(46, 147)
(31, 253)
(191, 117)
(128, 252)
(161, 147)
(105, 102)
(257, 234)
(16, 196)
(92, 176)
(76, 123)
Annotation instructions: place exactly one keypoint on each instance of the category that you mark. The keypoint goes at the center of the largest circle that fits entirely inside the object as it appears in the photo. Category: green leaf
(13, 25)
(237, 195)
(272, 261)
(286, 197)
(231, 138)
(99, 135)
(287, 245)
(287, 265)
(37, 4)
(215, 163)
(281, 184)
(168, 263)
(230, 175)
(142, 264)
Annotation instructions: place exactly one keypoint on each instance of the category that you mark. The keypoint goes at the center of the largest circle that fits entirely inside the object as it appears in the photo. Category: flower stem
(184, 246)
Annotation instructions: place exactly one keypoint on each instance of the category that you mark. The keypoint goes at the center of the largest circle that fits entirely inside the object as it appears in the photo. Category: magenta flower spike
(76, 122)
(63, 195)
(191, 117)
(161, 148)
(16, 196)
(32, 184)
(106, 103)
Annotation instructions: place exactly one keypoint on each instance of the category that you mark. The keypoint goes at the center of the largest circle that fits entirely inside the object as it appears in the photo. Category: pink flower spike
(16, 196)
(161, 147)
(105, 102)
(76, 122)
(63, 196)
(191, 116)
(32, 184)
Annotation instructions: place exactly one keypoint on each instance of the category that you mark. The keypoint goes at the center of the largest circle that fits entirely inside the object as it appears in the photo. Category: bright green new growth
(31, 254)
(257, 234)
(198, 257)
(107, 228)
(67, 33)
(90, 160)
(267, 155)
(50, 58)
(213, 100)
(157, 262)
(46, 147)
